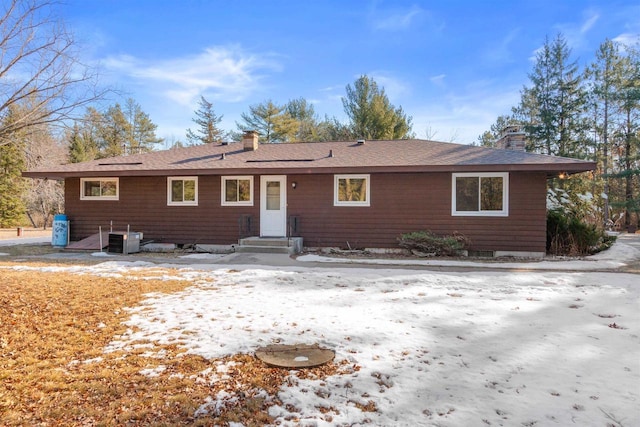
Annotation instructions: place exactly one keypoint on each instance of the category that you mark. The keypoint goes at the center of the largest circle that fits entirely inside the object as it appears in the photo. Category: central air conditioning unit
(124, 243)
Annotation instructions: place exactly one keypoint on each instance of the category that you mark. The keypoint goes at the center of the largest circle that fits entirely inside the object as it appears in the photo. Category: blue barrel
(60, 231)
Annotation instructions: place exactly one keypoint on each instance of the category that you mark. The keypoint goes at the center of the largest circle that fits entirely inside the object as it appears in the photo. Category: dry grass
(53, 371)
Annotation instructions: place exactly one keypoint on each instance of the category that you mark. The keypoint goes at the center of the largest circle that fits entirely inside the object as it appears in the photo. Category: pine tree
(121, 132)
(629, 132)
(305, 114)
(12, 162)
(605, 80)
(142, 131)
(80, 149)
(272, 122)
(84, 137)
(370, 113)
(331, 129)
(12, 207)
(113, 132)
(207, 121)
(552, 108)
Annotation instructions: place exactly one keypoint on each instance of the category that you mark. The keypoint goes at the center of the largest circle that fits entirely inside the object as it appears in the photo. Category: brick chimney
(512, 138)
(250, 140)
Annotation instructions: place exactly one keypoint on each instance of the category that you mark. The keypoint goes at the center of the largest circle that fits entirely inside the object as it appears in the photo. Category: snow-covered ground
(615, 257)
(428, 348)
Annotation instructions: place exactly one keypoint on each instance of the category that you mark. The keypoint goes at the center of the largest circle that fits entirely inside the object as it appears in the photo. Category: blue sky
(454, 66)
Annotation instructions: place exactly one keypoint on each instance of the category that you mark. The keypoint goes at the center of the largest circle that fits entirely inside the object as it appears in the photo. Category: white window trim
(505, 193)
(170, 180)
(367, 179)
(224, 186)
(104, 198)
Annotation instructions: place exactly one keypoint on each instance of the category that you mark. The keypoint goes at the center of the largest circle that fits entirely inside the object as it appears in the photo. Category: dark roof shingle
(319, 157)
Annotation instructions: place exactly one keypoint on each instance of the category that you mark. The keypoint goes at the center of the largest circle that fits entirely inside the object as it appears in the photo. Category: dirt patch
(54, 328)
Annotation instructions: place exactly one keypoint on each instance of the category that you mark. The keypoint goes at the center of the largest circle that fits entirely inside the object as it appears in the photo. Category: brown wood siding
(400, 203)
(143, 206)
(403, 203)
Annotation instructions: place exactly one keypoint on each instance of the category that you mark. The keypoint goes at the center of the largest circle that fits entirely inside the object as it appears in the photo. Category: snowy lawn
(445, 349)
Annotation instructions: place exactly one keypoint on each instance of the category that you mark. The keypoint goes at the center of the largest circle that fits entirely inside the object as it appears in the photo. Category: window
(182, 191)
(237, 191)
(99, 189)
(480, 194)
(273, 195)
(351, 190)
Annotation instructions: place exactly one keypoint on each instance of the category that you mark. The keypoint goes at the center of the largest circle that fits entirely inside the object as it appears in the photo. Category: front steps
(270, 245)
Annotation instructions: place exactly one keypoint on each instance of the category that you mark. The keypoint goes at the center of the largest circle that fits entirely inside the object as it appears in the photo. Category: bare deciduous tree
(39, 60)
(43, 198)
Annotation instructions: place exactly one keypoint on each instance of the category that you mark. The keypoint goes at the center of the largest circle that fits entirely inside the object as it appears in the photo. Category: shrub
(428, 243)
(568, 235)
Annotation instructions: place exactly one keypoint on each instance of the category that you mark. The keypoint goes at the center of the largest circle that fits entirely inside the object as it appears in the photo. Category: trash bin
(60, 232)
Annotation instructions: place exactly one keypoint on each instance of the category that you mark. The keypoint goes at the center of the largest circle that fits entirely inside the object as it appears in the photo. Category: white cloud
(501, 52)
(438, 80)
(331, 88)
(575, 33)
(628, 39)
(589, 23)
(226, 73)
(400, 20)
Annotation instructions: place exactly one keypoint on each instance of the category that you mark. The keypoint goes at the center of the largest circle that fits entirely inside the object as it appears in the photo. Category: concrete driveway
(632, 240)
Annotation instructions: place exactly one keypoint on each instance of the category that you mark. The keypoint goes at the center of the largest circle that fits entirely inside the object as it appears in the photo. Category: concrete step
(265, 249)
(284, 245)
(264, 241)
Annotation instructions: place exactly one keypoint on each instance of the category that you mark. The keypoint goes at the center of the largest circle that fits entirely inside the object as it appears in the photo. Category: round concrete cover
(295, 355)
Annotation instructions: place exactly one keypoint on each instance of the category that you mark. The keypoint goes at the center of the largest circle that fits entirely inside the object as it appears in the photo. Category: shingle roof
(319, 157)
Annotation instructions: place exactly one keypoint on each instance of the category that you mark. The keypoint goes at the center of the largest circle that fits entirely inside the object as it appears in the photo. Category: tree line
(591, 113)
(129, 130)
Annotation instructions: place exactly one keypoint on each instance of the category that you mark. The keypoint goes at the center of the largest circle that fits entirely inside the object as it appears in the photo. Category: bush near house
(426, 243)
(569, 235)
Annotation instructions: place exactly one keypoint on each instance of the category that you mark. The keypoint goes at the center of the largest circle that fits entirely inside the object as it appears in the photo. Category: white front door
(273, 206)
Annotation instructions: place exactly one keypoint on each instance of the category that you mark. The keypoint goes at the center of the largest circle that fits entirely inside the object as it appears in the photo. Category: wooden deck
(91, 243)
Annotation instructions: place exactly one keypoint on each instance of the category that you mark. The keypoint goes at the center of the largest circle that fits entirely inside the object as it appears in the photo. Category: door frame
(283, 203)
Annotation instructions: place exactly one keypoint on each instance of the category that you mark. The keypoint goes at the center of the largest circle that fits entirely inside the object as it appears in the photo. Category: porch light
(294, 185)
(563, 175)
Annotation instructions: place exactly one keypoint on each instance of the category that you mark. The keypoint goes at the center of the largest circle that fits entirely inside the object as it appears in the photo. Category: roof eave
(549, 168)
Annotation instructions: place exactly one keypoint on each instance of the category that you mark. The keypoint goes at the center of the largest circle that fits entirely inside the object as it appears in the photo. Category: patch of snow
(208, 256)
(153, 372)
(215, 405)
(3, 254)
(87, 361)
(100, 254)
(431, 348)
